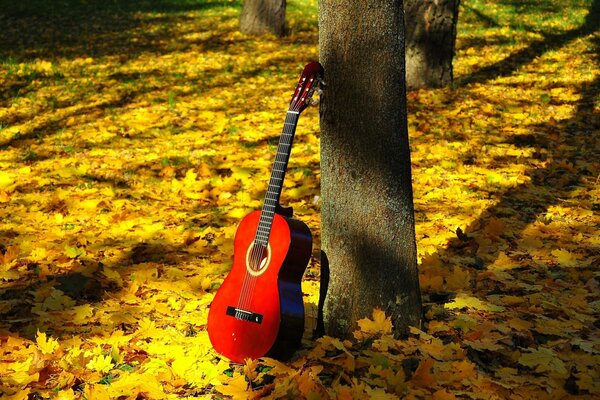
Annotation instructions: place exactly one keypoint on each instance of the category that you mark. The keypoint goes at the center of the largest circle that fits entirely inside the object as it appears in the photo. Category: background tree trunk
(368, 236)
(430, 40)
(263, 16)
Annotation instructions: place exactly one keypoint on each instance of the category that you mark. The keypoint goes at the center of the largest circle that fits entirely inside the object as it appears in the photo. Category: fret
(263, 236)
(268, 212)
(263, 233)
(263, 242)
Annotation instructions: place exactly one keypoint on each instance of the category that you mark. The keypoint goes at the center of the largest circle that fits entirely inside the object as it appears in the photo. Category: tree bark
(430, 42)
(263, 16)
(368, 237)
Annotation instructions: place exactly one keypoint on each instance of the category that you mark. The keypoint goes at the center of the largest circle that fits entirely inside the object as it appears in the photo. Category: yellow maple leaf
(277, 367)
(131, 385)
(46, 345)
(190, 178)
(83, 313)
(147, 328)
(379, 394)
(250, 367)
(113, 275)
(4, 197)
(74, 252)
(309, 384)
(57, 300)
(459, 279)
(566, 258)
(463, 300)
(96, 392)
(6, 179)
(100, 363)
(65, 379)
(20, 374)
(543, 360)
(67, 394)
(236, 387)
(503, 262)
(379, 325)
(495, 226)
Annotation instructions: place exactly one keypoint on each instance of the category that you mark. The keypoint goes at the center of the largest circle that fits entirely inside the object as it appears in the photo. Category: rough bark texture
(263, 16)
(430, 40)
(368, 237)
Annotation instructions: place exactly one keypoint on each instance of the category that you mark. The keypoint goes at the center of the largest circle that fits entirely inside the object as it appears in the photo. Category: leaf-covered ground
(135, 134)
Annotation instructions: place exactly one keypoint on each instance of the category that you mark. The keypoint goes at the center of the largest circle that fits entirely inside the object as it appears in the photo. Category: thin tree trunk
(430, 42)
(263, 16)
(368, 236)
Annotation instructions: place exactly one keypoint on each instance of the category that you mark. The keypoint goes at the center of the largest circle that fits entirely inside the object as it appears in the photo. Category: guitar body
(259, 312)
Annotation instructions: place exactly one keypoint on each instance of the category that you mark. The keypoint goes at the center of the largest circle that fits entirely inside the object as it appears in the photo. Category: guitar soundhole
(258, 257)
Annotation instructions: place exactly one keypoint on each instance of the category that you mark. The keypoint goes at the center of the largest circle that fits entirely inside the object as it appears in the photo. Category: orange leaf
(423, 376)
(11, 254)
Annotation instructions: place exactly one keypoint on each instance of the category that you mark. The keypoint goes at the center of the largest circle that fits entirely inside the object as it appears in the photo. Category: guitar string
(253, 261)
(258, 251)
(281, 157)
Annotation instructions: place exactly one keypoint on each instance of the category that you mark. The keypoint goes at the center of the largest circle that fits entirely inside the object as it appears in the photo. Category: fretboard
(277, 175)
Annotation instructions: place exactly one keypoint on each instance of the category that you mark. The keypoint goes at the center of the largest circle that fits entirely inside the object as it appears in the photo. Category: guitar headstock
(309, 82)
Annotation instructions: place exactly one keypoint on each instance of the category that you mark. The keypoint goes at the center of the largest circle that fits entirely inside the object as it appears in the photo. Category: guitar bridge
(244, 315)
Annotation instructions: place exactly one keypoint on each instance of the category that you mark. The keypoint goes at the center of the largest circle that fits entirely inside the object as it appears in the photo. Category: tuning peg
(314, 101)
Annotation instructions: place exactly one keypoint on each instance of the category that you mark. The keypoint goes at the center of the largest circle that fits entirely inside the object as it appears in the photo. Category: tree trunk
(263, 16)
(368, 237)
(430, 40)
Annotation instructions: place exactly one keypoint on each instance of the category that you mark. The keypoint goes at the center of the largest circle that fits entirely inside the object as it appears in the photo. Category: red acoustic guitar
(258, 310)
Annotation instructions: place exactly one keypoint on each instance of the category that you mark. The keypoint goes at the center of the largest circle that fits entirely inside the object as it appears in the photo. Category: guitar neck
(277, 176)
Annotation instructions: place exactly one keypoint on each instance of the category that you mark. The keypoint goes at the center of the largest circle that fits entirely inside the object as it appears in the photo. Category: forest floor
(134, 135)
